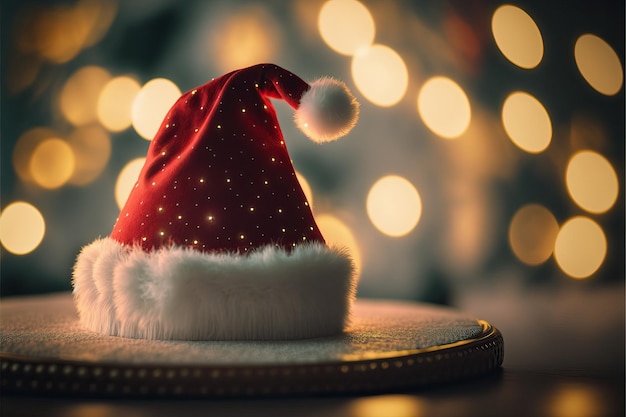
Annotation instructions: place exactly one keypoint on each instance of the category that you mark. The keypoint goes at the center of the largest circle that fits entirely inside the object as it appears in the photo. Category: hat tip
(327, 111)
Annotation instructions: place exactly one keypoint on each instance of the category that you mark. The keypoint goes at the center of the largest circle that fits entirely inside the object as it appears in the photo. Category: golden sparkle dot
(219, 126)
(162, 233)
(160, 208)
(227, 179)
(241, 237)
(243, 110)
(22, 228)
(283, 230)
(179, 217)
(251, 208)
(195, 242)
(144, 238)
(210, 218)
(201, 179)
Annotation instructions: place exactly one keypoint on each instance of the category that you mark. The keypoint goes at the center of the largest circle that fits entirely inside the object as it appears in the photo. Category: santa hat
(217, 240)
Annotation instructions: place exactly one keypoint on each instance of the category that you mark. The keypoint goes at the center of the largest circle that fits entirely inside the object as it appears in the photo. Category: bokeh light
(126, 180)
(387, 405)
(338, 234)
(52, 163)
(115, 103)
(244, 37)
(306, 188)
(91, 146)
(60, 31)
(599, 64)
(346, 26)
(574, 400)
(526, 122)
(22, 228)
(444, 107)
(394, 206)
(580, 247)
(591, 181)
(532, 234)
(79, 96)
(380, 74)
(517, 36)
(151, 105)
(24, 148)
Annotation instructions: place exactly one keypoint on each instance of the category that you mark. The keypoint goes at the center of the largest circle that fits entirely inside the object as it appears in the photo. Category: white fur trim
(327, 111)
(177, 293)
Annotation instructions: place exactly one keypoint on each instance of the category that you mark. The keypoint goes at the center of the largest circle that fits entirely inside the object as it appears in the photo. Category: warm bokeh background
(486, 172)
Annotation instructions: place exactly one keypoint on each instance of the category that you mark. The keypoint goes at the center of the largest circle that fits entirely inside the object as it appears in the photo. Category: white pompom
(327, 111)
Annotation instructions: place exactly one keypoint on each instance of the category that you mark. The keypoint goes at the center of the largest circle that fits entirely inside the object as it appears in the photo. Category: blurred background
(486, 172)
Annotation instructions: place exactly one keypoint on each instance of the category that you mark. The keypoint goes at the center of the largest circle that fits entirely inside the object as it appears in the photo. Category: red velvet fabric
(218, 176)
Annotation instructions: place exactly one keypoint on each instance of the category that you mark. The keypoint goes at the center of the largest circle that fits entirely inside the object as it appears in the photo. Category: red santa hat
(217, 240)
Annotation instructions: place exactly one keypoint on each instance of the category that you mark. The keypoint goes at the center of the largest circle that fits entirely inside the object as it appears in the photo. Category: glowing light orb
(599, 64)
(24, 148)
(444, 107)
(52, 163)
(306, 188)
(591, 181)
(517, 36)
(394, 206)
(151, 105)
(576, 401)
(532, 234)
(115, 103)
(526, 122)
(380, 74)
(580, 247)
(243, 38)
(387, 405)
(92, 148)
(126, 180)
(337, 233)
(22, 228)
(346, 26)
(79, 96)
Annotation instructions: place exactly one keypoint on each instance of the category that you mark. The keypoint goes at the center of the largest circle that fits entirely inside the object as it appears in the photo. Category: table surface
(509, 392)
(518, 389)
